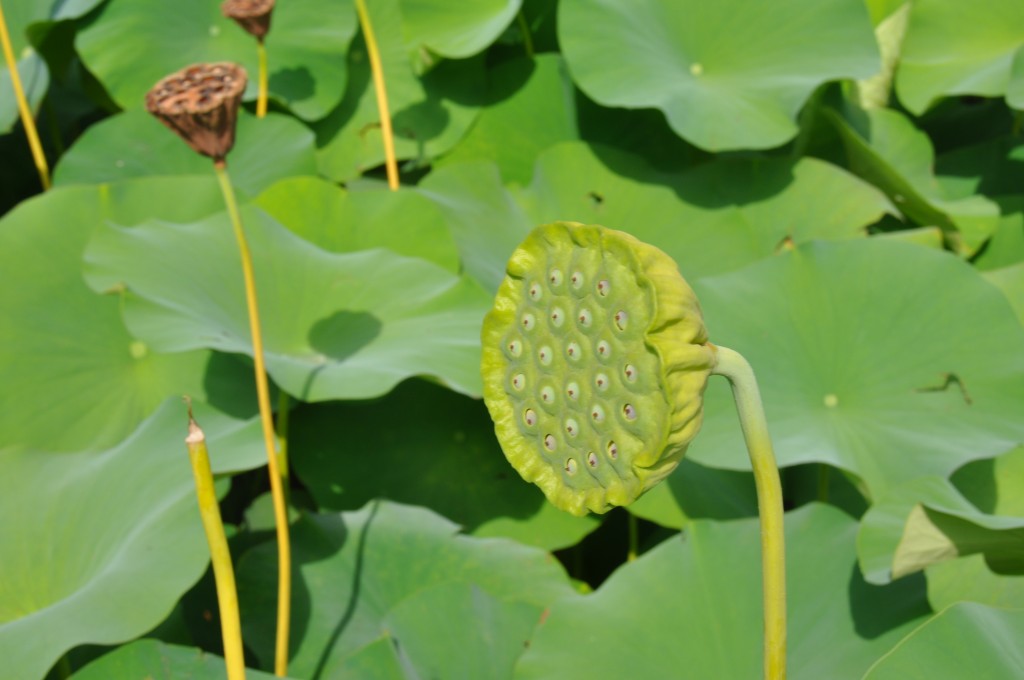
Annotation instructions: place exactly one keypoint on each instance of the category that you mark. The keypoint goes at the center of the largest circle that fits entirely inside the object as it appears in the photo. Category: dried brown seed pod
(200, 103)
(252, 15)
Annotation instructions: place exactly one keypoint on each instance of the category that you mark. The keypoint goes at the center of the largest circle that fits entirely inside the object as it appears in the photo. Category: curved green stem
(377, 68)
(769, 502)
(261, 93)
(524, 29)
(284, 569)
(27, 121)
(220, 555)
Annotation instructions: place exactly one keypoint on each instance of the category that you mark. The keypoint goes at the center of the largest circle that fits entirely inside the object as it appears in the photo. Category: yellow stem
(266, 419)
(769, 502)
(261, 96)
(390, 163)
(283, 413)
(223, 574)
(27, 121)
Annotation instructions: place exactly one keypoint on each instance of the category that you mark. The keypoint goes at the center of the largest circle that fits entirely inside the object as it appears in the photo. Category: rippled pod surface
(595, 359)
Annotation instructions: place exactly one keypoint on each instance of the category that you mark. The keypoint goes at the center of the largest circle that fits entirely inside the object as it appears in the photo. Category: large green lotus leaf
(887, 360)
(970, 579)
(155, 660)
(968, 640)
(531, 107)
(952, 48)
(134, 43)
(35, 80)
(485, 221)
(106, 542)
(728, 75)
(885, 148)
(135, 144)
(692, 607)
(994, 167)
(444, 457)
(335, 325)
(344, 221)
(698, 492)
(388, 568)
(1005, 249)
(994, 485)
(1011, 281)
(454, 28)
(73, 377)
(712, 219)
(430, 113)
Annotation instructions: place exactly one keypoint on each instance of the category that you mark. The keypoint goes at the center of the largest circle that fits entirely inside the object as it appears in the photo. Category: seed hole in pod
(597, 414)
(555, 277)
(585, 318)
(574, 351)
(572, 427)
(529, 322)
(603, 287)
(577, 280)
(570, 466)
(601, 380)
(613, 450)
(604, 349)
(549, 442)
(573, 390)
(536, 292)
(620, 320)
(519, 381)
(629, 412)
(557, 317)
(544, 355)
(547, 395)
(530, 417)
(630, 371)
(592, 459)
(515, 348)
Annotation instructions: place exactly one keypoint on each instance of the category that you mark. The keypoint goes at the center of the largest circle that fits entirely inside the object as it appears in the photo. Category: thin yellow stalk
(261, 95)
(266, 418)
(283, 413)
(223, 573)
(769, 502)
(27, 121)
(390, 163)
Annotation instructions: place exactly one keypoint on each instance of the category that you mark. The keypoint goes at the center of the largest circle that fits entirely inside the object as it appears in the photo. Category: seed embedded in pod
(574, 351)
(584, 318)
(544, 355)
(557, 317)
(604, 349)
(630, 372)
(572, 427)
(577, 280)
(613, 450)
(530, 417)
(555, 277)
(597, 413)
(603, 287)
(536, 292)
(519, 381)
(529, 321)
(629, 412)
(620, 320)
(573, 390)
(591, 459)
(570, 466)
(547, 395)
(601, 380)
(515, 348)
(549, 442)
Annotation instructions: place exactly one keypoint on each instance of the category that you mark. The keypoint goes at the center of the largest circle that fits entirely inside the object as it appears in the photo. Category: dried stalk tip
(200, 103)
(252, 15)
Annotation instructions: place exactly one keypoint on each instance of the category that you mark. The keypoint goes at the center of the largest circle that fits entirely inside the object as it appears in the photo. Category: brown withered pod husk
(251, 15)
(200, 103)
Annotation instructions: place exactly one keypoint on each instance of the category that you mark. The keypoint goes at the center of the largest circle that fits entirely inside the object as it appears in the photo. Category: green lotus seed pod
(595, 359)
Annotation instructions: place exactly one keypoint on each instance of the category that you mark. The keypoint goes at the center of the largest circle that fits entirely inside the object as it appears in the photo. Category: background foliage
(841, 181)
